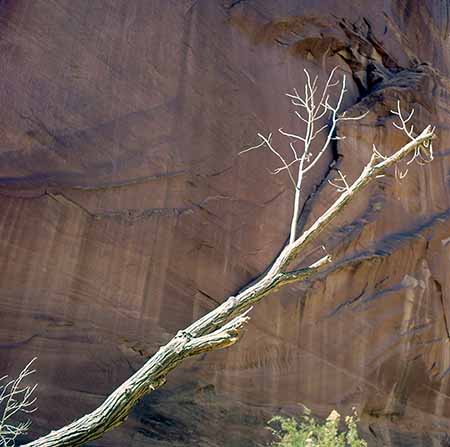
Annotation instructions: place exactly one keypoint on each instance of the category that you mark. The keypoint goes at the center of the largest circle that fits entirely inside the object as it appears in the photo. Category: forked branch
(318, 115)
(223, 326)
(16, 400)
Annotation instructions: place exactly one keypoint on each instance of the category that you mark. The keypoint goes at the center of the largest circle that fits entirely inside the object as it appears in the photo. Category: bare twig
(423, 153)
(16, 398)
(315, 108)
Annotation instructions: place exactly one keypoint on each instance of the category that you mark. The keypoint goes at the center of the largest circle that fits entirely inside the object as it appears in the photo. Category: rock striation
(126, 213)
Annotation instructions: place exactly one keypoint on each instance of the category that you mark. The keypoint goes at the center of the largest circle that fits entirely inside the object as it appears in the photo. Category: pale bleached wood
(222, 326)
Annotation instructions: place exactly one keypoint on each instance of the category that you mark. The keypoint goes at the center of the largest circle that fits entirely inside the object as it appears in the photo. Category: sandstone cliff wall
(125, 213)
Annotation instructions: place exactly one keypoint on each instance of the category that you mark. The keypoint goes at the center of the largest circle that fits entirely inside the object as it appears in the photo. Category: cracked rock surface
(126, 213)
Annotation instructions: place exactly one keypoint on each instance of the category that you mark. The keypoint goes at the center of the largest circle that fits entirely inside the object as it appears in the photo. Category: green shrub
(309, 433)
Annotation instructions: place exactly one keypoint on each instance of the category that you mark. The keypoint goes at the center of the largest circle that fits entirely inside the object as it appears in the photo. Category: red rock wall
(126, 213)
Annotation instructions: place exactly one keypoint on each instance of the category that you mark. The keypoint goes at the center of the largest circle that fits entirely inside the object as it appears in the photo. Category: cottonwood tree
(318, 108)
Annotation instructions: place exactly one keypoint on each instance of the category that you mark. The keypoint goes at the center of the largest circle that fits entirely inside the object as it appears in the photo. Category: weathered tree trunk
(222, 326)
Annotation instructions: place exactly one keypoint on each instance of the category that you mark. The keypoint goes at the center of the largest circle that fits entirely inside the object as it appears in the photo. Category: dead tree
(223, 326)
(16, 399)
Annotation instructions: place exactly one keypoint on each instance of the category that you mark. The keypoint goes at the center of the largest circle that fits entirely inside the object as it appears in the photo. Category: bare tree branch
(306, 158)
(222, 326)
(16, 398)
(423, 153)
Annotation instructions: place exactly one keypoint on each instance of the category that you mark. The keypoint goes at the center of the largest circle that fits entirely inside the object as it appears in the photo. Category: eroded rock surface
(126, 213)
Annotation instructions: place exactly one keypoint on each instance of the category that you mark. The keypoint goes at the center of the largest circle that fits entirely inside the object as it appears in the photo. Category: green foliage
(310, 433)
